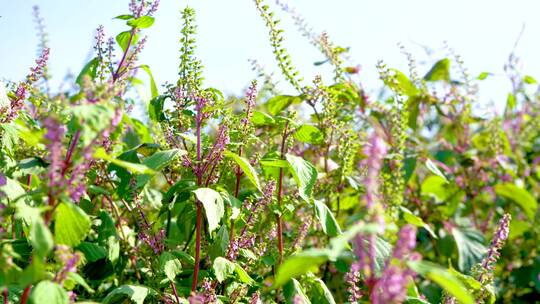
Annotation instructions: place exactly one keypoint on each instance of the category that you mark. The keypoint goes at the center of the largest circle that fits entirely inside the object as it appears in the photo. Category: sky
(230, 32)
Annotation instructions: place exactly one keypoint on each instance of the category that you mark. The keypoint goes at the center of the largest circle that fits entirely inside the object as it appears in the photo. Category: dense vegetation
(320, 195)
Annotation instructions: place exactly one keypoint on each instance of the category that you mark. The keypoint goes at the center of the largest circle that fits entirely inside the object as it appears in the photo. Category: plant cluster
(321, 195)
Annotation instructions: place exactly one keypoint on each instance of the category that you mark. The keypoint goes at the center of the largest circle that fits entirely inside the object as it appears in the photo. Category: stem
(116, 74)
(199, 207)
(279, 197)
(236, 191)
(6, 294)
(175, 292)
(26, 293)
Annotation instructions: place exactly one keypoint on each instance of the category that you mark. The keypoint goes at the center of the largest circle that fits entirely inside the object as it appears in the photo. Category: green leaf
(304, 174)
(470, 245)
(435, 186)
(89, 69)
(48, 292)
(223, 268)
(134, 293)
(41, 237)
(159, 160)
(123, 40)
(141, 22)
(246, 167)
(71, 224)
(404, 84)
(410, 218)
(510, 101)
(153, 86)
(300, 263)
(529, 79)
(92, 252)
(321, 293)
(521, 196)
(262, 119)
(434, 169)
(155, 108)
(213, 206)
(278, 103)
(100, 153)
(124, 17)
(483, 75)
(80, 280)
(440, 71)
(444, 279)
(12, 189)
(242, 275)
(326, 219)
(294, 293)
(309, 134)
(170, 265)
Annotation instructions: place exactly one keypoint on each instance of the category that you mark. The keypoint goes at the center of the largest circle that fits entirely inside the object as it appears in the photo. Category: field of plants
(319, 194)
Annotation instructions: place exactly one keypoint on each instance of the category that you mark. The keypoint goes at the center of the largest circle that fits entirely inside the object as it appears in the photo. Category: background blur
(231, 32)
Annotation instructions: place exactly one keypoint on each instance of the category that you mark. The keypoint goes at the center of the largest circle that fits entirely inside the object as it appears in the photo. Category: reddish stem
(6, 294)
(175, 292)
(26, 293)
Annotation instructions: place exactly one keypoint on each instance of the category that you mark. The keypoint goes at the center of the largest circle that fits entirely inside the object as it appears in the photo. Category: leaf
(246, 167)
(159, 160)
(300, 263)
(321, 293)
(141, 22)
(124, 17)
(483, 75)
(521, 196)
(529, 79)
(48, 292)
(71, 224)
(80, 280)
(440, 71)
(434, 169)
(403, 85)
(100, 153)
(262, 119)
(135, 293)
(470, 245)
(444, 279)
(326, 219)
(434, 186)
(12, 189)
(294, 293)
(510, 101)
(91, 119)
(155, 108)
(89, 69)
(304, 174)
(92, 252)
(41, 237)
(410, 218)
(170, 265)
(242, 275)
(309, 134)
(124, 38)
(223, 268)
(213, 206)
(278, 103)
(153, 86)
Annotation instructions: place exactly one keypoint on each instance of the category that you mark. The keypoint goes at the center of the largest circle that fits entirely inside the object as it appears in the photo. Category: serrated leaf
(321, 293)
(246, 167)
(153, 86)
(470, 244)
(304, 174)
(309, 134)
(71, 224)
(124, 38)
(300, 263)
(434, 169)
(170, 265)
(48, 292)
(213, 206)
(410, 218)
(262, 119)
(223, 268)
(134, 293)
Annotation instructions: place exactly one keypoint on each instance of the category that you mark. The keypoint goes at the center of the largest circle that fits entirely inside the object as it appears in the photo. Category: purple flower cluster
(352, 279)
(139, 8)
(69, 261)
(206, 297)
(391, 287)
(245, 240)
(500, 237)
(17, 103)
(376, 151)
(55, 134)
(251, 96)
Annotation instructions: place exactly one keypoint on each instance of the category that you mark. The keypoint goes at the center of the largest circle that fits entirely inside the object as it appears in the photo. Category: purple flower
(500, 237)
(69, 261)
(352, 278)
(376, 150)
(255, 298)
(55, 134)
(251, 96)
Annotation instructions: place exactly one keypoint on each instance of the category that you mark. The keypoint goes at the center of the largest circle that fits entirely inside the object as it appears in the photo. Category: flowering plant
(320, 195)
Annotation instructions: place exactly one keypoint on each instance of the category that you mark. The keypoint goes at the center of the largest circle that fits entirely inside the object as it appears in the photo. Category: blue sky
(231, 32)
